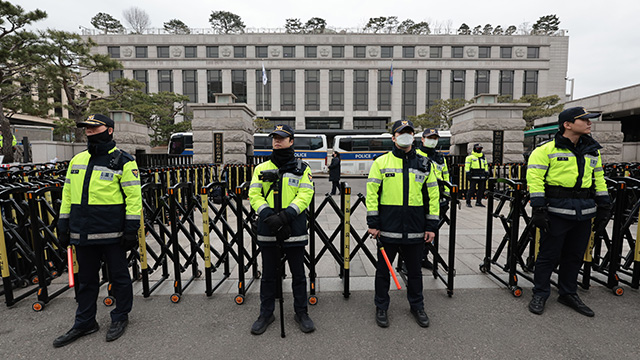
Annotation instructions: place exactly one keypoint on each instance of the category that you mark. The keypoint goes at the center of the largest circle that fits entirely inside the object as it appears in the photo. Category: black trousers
(88, 282)
(412, 256)
(335, 188)
(564, 244)
(295, 258)
(472, 190)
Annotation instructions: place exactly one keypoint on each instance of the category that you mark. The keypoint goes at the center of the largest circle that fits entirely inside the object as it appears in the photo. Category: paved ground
(481, 321)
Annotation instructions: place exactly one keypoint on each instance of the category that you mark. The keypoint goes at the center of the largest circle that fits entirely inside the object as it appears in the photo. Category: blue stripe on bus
(299, 153)
(360, 155)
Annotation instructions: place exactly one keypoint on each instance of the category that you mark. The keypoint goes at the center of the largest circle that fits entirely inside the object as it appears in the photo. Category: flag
(391, 74)
(264, 75)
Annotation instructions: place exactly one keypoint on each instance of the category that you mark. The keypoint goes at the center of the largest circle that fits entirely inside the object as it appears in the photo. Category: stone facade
(408, 52)
(234, 121)
(475, 123)
(610, 136)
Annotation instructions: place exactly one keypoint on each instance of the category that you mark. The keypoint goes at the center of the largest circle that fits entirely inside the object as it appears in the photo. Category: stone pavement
(481, 321)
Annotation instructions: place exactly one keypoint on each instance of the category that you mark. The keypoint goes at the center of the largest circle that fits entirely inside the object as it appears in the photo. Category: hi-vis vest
(441, 170)
(476, 165)
(402, 197)
(297, 192)
(555, 164)
(100, 200)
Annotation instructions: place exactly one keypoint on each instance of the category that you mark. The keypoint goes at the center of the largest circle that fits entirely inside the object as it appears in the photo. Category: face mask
(404, 140)
(100, 138)
(430, 143)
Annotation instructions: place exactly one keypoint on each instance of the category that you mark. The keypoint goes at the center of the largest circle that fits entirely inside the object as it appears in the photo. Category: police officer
(565, 197)
(402, 212)
(430, 139)
(477, 170)
(287, 225)
(334, 173)
(100, 215)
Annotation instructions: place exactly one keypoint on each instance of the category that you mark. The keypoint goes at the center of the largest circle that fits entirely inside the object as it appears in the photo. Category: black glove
(276, 221)
(539, 218)
(602, 218)
(444, 206)
(63, 239)
(284, 233)
(129, 241)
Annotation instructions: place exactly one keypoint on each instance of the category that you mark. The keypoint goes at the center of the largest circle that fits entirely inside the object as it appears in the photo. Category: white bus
(181, 143)
(358, 151)
(312, 148)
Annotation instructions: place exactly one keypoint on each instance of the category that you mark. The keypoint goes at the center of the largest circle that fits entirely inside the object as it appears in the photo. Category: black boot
(261, 325)
(73, 335)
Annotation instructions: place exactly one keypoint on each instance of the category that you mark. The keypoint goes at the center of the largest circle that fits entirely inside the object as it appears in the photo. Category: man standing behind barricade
(428, 149)
(334, 173)
(289, 225)
(402, 213)
(100, 215)
(565, 197)
(477, 171)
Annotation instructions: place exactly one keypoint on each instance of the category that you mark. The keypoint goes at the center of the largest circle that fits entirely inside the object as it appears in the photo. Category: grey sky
(604, 42)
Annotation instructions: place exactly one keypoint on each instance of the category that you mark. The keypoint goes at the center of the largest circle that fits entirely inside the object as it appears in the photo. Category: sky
(604, 41)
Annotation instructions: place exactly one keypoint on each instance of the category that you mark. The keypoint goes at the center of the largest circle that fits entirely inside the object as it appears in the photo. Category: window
(190, 85)
(482, 82)
(163, 51)
(291, 122)
(384, 90)
(310, 51)
(287, 89)
(408, 51)
(506, 83)
(312, 89)
(289, 51)
(190, 51)
(337, 51)
(323, 123)
(434, 84)
(262, 52)
(457, 52)
(457, 84)
(239, 51)
(336, 89)
(141, 75)
(484, 52)
(386, 52)
(239, 85)
(533, 52)
(113, 76)
(359, 51)
(370, 123)
(435, 52)
(263, 92)
(212, 52)
(165, 81)
(505, 52)
(214, 84)
(530, 83)
(114, 51)
(409, 93)
(141, 52)
(360, 89)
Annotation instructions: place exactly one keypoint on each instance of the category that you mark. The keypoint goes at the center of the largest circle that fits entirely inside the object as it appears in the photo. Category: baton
(72, 281)
(386, 259)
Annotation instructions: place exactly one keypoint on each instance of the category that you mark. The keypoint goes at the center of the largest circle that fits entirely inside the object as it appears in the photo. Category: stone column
(234, 121)
(609, 135)
(475, 123)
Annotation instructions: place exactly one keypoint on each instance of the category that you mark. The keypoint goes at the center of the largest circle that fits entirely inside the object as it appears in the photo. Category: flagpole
(263, 85)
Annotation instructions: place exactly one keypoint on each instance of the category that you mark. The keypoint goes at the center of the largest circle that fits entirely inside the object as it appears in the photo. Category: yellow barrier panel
(347, 228)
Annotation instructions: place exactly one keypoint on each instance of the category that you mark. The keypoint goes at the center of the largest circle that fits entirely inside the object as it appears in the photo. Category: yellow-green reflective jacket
(101, 200)
(297, 192)
(402, 196)
(476, 167)
(557, 167)
(439, 164)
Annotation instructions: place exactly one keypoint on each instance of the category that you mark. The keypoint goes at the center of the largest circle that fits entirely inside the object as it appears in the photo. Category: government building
(338, 83)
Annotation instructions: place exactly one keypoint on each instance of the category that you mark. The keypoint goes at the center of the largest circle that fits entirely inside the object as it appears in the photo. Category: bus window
(345, 144)
(307, 143)
(262, 142)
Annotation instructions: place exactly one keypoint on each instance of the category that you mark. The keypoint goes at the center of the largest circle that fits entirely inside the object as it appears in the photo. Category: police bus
(181, 143)
(312, 148)
(358, 151)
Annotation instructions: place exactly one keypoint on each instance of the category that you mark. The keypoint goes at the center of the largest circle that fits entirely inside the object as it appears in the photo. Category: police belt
(560, 192)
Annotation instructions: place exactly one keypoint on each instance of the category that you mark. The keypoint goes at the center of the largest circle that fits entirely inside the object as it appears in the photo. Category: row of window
(435, 52)
(336, 87)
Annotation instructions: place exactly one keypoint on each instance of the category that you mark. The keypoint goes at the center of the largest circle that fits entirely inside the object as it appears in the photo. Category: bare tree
(448, 26)
(524, 28)
(137, 18)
